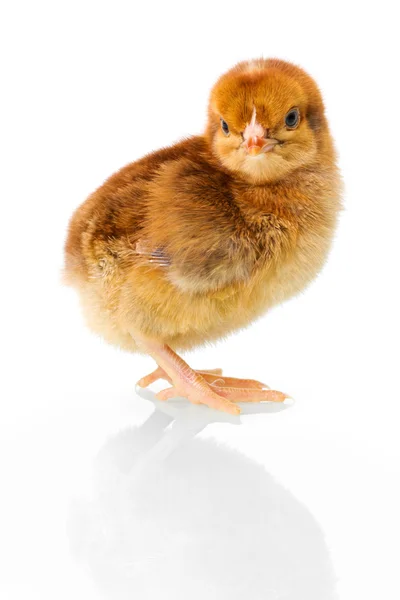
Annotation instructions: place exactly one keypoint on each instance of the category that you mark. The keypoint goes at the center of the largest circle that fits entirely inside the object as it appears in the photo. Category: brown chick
(199, 239)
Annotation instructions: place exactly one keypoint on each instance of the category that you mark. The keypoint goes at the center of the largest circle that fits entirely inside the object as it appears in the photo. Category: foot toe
(209, 371)
(251, 394)
(235, 382)
(166, 394)
(147, 380)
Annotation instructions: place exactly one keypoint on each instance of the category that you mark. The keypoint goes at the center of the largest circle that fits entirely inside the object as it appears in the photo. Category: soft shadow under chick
(197, 240)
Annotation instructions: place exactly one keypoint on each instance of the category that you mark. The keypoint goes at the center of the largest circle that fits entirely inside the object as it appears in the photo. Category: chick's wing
(194, 230)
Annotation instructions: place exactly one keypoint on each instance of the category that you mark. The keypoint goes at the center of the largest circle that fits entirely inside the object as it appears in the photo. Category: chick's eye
(224, 127)
(292, 118)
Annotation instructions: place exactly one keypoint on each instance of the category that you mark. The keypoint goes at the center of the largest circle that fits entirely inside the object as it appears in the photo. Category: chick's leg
(185, 381)
(159, 373)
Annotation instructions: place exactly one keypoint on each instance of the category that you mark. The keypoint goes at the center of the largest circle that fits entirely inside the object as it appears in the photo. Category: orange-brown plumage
(194, 241)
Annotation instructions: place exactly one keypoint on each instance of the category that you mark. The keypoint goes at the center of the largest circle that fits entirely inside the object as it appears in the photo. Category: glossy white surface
(296, 505)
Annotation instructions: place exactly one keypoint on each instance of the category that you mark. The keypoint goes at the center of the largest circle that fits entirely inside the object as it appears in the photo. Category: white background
(86, 88)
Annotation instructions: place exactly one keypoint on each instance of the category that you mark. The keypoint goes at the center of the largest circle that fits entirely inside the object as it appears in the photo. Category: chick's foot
(206, 386)
(212, 376)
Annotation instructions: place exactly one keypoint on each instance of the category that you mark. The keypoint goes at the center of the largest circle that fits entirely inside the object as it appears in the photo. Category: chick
(197, 240)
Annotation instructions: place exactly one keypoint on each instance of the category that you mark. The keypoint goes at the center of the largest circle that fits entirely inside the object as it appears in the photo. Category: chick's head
(266, 119)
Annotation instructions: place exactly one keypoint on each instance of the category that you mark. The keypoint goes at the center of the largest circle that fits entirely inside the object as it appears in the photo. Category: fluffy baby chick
(199, 239)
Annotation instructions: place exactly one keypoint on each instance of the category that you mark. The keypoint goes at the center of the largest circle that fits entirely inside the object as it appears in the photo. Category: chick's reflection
(206, 522)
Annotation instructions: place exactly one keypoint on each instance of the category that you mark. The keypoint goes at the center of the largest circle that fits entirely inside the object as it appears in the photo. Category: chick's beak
(255, 145)
(254, 140)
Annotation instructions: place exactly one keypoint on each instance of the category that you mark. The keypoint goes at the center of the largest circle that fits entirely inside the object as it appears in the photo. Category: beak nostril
(253, 129)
